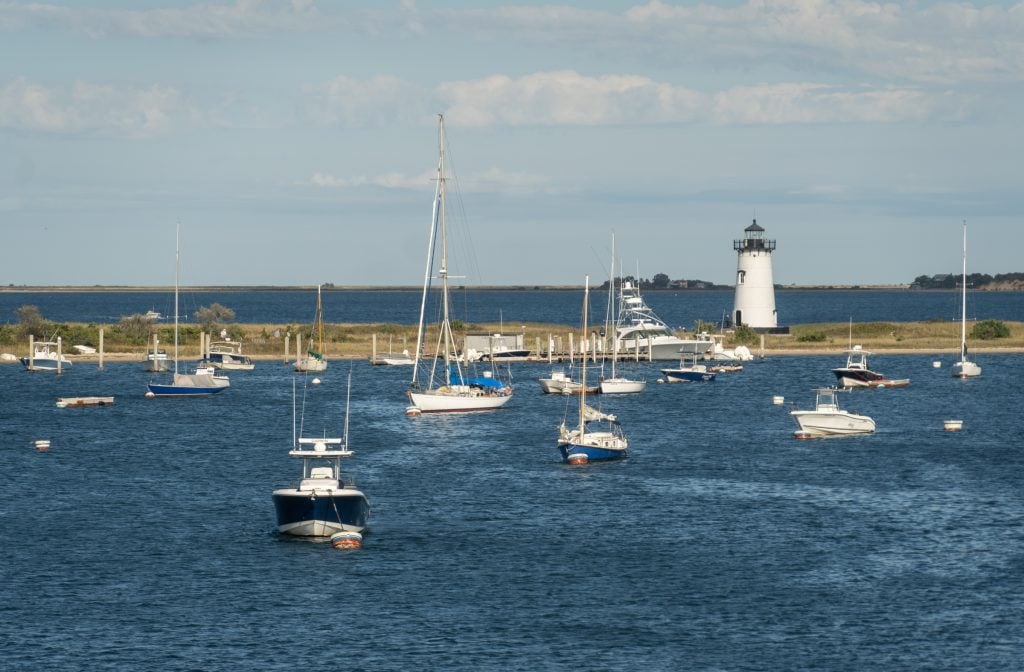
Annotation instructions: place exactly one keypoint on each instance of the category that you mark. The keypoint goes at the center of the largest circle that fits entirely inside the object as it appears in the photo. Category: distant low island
(1006, 282)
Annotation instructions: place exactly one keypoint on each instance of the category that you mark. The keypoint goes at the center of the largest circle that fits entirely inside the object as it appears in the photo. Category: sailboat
(204, 381)
(617, 384)
(325, 503)
(598, 435)
(964, 368)
(314, 359)
(448, 387)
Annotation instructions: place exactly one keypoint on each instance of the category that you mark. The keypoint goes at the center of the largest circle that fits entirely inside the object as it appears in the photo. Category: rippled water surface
(144, 539)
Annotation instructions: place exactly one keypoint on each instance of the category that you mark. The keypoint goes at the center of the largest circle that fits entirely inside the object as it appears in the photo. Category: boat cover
(486, 382)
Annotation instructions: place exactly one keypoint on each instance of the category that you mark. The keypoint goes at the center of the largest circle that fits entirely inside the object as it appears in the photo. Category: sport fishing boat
(828, 419)
(227, 355)
(325, 501)
(639, 331)
(857, 374)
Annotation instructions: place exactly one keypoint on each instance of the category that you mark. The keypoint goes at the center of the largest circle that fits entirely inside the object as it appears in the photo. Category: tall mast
(319, 323)
(443, 271)
(611, 317)
(177, 256)
(430, 255)
(583, 355)
(963, 303)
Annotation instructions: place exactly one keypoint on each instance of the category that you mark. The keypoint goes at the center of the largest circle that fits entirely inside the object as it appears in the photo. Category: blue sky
(295, 141)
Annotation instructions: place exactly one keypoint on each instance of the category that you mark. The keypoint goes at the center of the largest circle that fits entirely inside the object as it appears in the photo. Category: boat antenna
(294, 440)
(348, 398)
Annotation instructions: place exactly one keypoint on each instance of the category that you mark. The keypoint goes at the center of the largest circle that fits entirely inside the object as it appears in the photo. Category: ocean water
(677, 308)
(145, 538)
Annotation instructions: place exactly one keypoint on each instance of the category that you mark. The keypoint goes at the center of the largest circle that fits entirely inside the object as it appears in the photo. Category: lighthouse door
(739, 318)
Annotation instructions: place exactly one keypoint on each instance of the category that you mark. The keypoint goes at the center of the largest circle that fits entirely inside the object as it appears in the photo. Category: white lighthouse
(754, 305)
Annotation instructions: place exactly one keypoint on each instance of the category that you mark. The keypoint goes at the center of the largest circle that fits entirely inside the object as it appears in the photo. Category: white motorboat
(45, 357)
(857, 374)
(964, 368)
(559, 382)
(227, 355)
(639, 331)
(828, 419)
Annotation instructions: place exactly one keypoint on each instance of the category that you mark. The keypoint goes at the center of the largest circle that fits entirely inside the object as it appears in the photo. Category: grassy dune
(355, 340)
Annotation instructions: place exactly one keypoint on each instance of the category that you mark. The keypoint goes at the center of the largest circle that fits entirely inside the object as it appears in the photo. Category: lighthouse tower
(754, 305)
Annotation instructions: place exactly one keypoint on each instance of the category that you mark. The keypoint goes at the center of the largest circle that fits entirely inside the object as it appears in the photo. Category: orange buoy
(412, 411)
(347, 540)
(577, 458)
(42, 445)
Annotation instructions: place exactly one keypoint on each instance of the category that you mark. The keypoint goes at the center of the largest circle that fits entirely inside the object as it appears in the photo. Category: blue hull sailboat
(203, 382)
(598, 435)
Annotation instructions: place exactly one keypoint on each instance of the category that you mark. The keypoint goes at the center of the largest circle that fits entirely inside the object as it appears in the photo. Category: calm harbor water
(145, 538)
(677, 308)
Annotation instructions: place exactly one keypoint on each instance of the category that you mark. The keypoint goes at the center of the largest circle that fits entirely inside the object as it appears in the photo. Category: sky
(295, 142)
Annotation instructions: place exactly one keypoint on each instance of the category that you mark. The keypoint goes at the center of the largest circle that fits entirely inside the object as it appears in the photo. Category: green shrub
(744, 335)
(989, 329)
(812, 337)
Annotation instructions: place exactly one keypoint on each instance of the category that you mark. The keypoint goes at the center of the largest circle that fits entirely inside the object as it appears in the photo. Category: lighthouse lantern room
(754, 305)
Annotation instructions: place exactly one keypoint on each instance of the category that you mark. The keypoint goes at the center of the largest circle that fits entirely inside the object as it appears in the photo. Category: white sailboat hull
(966, 369)
(310, 364)
(622, 386)
(456, 399)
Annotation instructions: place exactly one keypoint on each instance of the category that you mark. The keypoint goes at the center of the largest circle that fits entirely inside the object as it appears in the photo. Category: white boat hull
(966, 369)
(622, 386)
(456, 399)
(665, 348)
(823, 423)
(311, 364)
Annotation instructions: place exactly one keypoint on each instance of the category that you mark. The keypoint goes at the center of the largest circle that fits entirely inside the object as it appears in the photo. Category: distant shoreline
(71, 289)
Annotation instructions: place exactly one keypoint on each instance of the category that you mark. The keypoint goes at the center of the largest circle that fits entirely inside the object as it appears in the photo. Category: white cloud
(568, 98)
(492, 180)
(924, 42)
(87, 107)
(943, 42)
(377, 101)
(386, 181)
(198, 20)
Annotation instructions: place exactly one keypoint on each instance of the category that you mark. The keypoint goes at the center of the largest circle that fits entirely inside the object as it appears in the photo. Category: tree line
(952, 280)
(662, 281)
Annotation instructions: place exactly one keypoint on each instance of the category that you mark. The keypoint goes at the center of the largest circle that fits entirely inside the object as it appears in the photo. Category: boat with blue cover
(447, 387)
